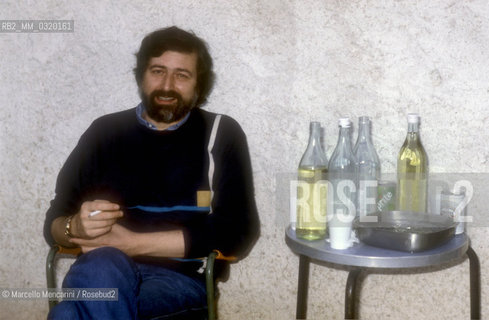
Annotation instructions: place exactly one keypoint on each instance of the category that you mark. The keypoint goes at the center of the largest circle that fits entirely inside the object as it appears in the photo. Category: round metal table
(362, 257)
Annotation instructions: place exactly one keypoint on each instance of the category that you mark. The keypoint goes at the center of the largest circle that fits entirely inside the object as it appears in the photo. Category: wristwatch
(68, 227)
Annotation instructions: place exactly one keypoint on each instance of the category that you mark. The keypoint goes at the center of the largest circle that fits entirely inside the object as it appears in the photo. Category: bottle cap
(344, 122)
(413, 118)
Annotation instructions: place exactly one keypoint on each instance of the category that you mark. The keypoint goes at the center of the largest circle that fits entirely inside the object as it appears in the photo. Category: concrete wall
(280, 64)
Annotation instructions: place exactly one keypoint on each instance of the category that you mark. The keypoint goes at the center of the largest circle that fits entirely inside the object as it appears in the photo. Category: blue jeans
(145, 291)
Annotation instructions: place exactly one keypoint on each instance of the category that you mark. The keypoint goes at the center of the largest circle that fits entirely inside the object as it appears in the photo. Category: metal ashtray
(405, 231)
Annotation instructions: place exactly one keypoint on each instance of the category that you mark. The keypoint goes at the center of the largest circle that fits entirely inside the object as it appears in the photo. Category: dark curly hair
(176, 39)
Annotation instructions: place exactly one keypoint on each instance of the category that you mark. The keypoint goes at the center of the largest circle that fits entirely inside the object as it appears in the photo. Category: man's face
(168, 89)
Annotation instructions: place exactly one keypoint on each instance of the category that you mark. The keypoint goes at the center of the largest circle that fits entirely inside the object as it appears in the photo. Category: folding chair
(209, 274)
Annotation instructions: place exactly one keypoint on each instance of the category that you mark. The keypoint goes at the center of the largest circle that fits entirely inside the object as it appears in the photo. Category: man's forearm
(159, 244)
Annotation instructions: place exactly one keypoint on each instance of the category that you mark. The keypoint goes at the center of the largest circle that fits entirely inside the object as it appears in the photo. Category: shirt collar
(139, 115)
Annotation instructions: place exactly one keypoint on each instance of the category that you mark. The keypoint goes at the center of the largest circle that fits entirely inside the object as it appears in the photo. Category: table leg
(475, 284)
(303, 283)
(350, 293)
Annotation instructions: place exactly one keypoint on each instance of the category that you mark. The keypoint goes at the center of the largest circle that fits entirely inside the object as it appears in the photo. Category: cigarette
(94, 213)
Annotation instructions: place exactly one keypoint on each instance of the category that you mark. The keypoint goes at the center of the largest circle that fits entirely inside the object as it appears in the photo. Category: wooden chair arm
(220, 256)
(65, 250)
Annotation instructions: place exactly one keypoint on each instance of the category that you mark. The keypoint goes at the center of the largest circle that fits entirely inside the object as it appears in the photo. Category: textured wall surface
(280, 64)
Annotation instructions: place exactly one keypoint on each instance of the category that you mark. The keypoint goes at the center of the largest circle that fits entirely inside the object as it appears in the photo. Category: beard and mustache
(167, 113)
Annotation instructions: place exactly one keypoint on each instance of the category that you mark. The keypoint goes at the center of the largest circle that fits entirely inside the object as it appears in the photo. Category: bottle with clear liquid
(368, 166)
(342, 173)
(412, 170)
(312, 189)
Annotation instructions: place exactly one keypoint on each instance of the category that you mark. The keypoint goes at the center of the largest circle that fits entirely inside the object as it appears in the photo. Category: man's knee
(104, 256)
(103, 267)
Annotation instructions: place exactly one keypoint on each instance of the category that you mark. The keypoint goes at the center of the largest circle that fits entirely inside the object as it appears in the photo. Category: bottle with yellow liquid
(312, 189)
(412, 170)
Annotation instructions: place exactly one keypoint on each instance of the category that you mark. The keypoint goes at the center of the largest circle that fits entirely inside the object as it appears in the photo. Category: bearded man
(149, 189)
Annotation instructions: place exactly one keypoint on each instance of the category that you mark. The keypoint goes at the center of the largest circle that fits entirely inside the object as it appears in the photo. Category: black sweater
(120, 160)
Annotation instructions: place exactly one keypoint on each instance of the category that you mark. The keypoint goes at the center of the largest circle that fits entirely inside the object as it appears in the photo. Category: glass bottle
(368, 166)
(412, 170)
(342, 173)
(312, 188)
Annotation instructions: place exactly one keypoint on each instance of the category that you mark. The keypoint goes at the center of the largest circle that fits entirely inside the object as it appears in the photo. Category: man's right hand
(88, 227)
(85, 227)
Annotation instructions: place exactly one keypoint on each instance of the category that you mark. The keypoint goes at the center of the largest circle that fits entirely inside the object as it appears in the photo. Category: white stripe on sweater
(210, 146)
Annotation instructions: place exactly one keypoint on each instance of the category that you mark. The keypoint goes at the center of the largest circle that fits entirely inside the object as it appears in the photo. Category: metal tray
(405, 231)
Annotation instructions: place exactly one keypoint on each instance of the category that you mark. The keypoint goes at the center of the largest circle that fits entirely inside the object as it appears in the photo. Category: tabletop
(362, 255)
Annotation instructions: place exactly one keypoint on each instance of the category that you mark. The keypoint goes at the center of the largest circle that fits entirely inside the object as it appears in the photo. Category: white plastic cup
(339, 237)
(449, 204)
